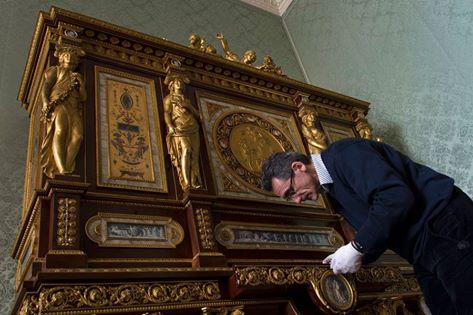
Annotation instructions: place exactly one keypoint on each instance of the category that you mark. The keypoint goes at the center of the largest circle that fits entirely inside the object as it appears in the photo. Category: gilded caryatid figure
(248, 58)
(315, 138)
(62, 95)
(362, 126)
(183, 140)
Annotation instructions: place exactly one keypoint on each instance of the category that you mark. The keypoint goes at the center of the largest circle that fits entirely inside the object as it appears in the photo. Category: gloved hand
(345, 260)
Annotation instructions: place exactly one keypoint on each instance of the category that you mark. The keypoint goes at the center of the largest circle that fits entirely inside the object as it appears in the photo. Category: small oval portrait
(336, 292)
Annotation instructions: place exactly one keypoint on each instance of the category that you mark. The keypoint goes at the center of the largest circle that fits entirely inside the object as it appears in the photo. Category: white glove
(345, 260)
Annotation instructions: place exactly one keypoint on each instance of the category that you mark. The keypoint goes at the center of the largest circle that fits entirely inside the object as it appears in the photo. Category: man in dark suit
(392, 202)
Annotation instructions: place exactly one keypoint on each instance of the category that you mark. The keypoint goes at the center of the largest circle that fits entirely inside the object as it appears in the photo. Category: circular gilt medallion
(243, 141)
(336, 292)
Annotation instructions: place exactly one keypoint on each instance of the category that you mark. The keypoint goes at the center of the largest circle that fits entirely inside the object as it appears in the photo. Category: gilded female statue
(183, 139)
(315, 138)
(62, 95)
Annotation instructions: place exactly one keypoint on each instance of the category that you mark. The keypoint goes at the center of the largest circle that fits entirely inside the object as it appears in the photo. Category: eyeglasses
(291, 192)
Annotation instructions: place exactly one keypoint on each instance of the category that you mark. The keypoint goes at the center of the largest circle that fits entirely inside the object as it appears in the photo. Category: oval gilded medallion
(243, 141)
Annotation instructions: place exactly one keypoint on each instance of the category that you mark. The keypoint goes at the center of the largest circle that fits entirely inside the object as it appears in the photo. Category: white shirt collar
(322, 173)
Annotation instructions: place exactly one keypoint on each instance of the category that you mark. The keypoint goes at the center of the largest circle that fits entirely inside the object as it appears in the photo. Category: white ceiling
(277, 7)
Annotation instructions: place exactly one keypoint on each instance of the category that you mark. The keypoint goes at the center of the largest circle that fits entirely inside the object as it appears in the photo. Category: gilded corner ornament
(62, 94)
(183, 138)
(269, 66)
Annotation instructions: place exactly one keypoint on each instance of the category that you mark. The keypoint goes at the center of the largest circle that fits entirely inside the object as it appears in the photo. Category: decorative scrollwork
(266, 275)
(30, 306)
(79, 297)
(378, 274)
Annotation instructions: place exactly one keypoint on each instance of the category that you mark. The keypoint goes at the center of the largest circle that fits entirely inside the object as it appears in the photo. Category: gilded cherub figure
(183, 140)
(199, 43)
(248, 58)
(62, 95)
(315, 138)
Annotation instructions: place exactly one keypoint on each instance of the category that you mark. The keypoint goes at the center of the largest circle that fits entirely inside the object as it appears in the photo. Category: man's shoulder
(343, 144)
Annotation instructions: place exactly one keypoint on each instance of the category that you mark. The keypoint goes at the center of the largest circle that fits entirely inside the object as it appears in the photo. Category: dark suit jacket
(384, 195)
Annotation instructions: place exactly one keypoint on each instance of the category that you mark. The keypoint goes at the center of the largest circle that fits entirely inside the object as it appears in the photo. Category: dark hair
(279, 165)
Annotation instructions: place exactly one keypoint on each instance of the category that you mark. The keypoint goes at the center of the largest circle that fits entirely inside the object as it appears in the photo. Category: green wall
(411, 59)
(244, 26)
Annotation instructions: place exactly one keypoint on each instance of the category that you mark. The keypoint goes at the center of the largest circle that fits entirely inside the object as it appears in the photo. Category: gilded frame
(225, 234)
(158, 183)
(227, 184)
(157, 231)
(336, 292)
(336, 132)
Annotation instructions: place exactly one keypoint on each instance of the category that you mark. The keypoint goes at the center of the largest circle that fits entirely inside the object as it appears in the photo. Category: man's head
(290, 175)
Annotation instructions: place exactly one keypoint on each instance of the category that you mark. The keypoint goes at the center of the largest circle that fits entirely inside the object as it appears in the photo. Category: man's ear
(298, 166)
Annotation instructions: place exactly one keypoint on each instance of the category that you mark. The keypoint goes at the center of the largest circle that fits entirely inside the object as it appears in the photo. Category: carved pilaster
(204, 227)
(67, 222)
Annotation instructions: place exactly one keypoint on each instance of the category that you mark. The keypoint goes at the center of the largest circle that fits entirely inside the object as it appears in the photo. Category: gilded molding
(31, 56)
(138, 53)
(67, 216)
(26, 228)
(144, 270)
(228, 82)
(385, 306)
(378, 274)
(33, 308)
(140, 260)
(268, 275)
(204, 227)
(65, 252)
(79, 298)
(233, 310)
(134, 231)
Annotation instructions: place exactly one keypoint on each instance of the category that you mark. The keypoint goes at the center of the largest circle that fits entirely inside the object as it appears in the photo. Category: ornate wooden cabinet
(142, 183)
